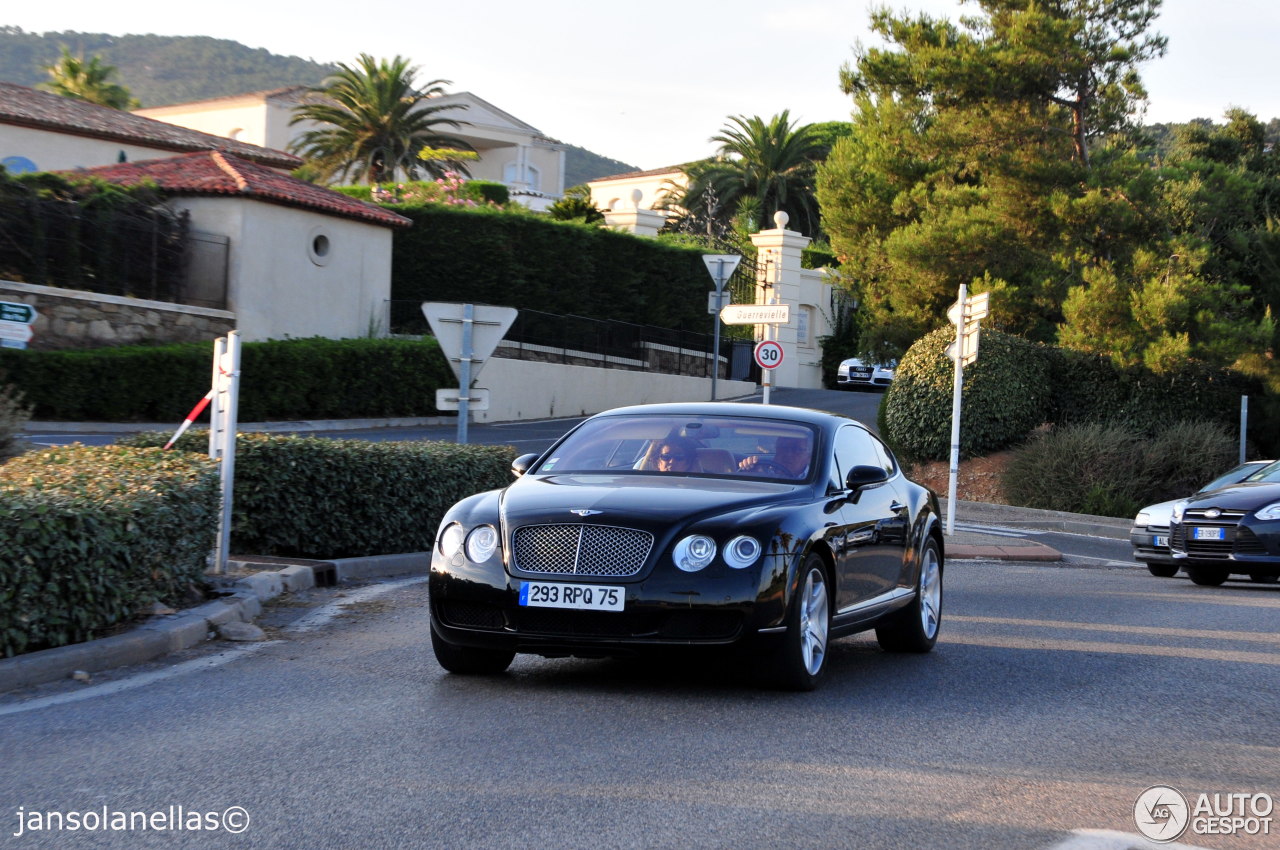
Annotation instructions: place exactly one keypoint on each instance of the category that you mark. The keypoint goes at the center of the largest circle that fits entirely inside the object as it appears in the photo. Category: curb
(242, 602)
(1021, 552)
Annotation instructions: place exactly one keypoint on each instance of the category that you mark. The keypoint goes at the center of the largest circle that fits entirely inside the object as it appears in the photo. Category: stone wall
(72, 318)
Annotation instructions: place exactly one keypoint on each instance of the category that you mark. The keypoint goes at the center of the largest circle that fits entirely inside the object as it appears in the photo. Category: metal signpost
(222, 433)
(965, 315)
(721, 267)
(768, 354)
(468, 334)
(16, 319)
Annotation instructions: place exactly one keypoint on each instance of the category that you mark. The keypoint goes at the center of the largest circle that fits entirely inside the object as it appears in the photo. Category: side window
(856, 447)
(886, 456)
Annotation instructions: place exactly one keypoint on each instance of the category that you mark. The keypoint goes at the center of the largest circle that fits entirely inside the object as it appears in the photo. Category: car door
(873, 524)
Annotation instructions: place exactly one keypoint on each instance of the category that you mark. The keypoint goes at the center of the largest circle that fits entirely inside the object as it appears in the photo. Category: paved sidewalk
(973, 545)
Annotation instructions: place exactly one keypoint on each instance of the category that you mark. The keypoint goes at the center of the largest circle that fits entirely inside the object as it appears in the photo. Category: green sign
(14, 312)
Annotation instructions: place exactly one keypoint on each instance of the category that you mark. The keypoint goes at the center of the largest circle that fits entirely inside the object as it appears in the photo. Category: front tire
(1163, 570)
(799, 663)
(1207, 576)
(469, 660)
(915, 627)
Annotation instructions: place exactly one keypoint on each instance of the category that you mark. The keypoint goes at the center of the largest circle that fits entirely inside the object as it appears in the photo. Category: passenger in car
(674, 454)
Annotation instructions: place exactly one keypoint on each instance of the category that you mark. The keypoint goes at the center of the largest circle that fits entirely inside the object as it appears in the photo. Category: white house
(511, 151)
(40, 131)
(303, 260)
(617, 192)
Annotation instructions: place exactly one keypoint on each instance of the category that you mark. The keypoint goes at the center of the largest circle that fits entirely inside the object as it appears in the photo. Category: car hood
(1160, 513)
(645, 500)
(1240, 497)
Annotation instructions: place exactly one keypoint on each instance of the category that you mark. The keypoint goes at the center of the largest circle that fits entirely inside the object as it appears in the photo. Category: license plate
(1208, 534)
(1158, 540)
(581, 597)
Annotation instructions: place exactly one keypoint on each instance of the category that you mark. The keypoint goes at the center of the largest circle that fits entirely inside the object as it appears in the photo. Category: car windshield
(739, 447)
(1269, 473)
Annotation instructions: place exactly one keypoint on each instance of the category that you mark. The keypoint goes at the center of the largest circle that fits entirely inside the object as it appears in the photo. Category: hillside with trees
(159, 69)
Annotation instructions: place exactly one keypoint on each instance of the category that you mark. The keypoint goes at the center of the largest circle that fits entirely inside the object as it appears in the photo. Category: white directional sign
(16, 319)
(756, 314)
(969, 345)
(488, 326)
(768, 354)
(975, 308)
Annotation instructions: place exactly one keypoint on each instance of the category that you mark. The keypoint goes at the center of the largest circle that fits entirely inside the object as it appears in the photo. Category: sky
(650, 83)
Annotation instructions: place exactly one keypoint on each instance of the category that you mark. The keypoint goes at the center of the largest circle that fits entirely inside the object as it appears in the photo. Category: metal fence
(607, 343)
(142, 253)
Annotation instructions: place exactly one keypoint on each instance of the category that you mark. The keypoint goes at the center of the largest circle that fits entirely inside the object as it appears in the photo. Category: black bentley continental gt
(769, 529)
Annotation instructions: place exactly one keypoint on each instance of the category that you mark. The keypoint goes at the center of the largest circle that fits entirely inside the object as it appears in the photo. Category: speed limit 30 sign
(768, 354)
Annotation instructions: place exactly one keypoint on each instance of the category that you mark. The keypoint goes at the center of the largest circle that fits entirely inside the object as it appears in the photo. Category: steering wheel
(769, 467)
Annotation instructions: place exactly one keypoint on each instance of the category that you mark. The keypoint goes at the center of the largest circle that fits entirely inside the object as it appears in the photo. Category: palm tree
(761, 168)
(75, 78)
(377, 120)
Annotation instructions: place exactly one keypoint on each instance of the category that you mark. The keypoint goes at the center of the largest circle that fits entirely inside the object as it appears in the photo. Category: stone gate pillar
(779, 278)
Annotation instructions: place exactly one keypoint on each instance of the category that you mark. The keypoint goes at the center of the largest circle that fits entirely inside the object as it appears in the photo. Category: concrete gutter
(242, 602)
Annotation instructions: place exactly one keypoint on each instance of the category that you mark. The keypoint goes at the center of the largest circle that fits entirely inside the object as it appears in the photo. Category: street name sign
(756, 314)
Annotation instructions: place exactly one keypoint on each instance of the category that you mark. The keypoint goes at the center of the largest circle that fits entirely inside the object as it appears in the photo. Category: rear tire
(1207, 576)
(1163, 570)
(469, 660)
(915, 627)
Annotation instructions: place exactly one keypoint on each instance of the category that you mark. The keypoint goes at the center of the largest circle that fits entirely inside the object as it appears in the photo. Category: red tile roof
(217, 173)
(26, 107)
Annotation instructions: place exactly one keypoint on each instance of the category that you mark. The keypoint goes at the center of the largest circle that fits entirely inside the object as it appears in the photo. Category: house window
(533, 176)
(319, 246)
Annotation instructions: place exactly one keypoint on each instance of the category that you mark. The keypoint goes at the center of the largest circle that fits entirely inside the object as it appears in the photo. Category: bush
(290, 379)
(1114, 470)
(1007, 393)
(320, 498)
(92, 535)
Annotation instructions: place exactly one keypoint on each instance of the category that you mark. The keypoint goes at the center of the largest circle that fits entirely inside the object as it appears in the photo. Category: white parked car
(856, 372)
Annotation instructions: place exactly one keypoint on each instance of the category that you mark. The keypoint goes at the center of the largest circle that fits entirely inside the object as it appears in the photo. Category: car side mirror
(862, 477)
(521, 465)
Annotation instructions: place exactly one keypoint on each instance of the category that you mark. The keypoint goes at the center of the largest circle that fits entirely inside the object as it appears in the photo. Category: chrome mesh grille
(582, 550)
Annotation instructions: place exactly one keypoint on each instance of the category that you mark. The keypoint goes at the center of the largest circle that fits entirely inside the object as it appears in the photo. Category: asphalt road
(1056, 696)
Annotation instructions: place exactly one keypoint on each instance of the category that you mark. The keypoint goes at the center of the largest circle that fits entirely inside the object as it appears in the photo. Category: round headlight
(1271, 511)
(741, 552)
(451, 539)
(694, 552)
(481, 542)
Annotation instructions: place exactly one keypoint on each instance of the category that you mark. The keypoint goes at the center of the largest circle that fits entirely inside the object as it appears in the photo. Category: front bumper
(479, 606)
(1151, 544)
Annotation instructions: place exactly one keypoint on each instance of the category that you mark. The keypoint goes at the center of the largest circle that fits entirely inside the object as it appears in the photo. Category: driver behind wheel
(790, 454)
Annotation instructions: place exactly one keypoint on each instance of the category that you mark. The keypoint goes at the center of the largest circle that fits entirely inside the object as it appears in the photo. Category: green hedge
(320, 498)
(1015, 386)
(91, 536)
(292, 379)
(530, 262)
(1007, 393)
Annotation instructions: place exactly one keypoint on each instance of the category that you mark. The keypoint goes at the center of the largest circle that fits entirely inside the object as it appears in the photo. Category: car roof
(820, 418)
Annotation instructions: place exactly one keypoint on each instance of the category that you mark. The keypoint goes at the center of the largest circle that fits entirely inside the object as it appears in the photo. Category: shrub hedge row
(91, 536)
(314, 497)
(291, 379)
(1109, 469)
(490, 257)
(1015, 386)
